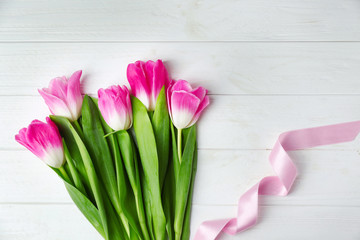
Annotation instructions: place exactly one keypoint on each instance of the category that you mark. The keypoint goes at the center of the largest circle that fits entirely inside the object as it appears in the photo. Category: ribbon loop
(285, 170)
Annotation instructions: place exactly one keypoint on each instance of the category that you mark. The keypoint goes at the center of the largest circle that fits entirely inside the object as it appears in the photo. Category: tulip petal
(138, 82)
(149, 72)
(43, 140)
(54, 157)
(74, 97)
(21, 138)
(158, 76)
(184, 106)
(56, 105)
(58, 87)
(115, 107)
(204, 103)
(200, 92)
(168, 95)
(44, 135)
(181, 85)
(63, 96)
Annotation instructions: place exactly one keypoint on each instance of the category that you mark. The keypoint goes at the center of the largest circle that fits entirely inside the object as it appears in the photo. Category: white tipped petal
(54, 157)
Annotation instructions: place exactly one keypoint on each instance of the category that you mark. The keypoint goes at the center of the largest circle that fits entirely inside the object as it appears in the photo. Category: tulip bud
(146, 81)
(63, 96)
(43, 140)
(185, 104)
(115, 107)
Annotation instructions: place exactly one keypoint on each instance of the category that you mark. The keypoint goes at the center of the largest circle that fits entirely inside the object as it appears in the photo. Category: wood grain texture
(223, 68)
(222, 177)
(59, 222)
(216, 20)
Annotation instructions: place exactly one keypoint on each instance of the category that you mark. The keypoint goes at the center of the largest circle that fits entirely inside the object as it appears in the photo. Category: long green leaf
(99, 149)
(64, 126)
(150, 162)
(169, 191)
(86, 207)
(184, 181)
(161, 125)
(168, 199)
(90, 171)
(175, 154)
(147, 204)
(129, 157)
(126, 207)
(73, 171)
(186, 225)
(117, 230)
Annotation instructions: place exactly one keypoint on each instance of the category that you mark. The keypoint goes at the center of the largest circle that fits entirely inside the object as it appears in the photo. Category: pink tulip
(63, 96)
(185, 104)
(146, 81)
(115, 107)
(43, 140)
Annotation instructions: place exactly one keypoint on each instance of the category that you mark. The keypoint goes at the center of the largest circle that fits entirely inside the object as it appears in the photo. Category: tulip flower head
(63, 96)
(115, 107)
(43, 140)
(146, 80)
(185, 104)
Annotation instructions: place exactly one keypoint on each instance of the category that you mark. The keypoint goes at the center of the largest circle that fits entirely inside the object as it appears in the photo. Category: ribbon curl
(286, 172)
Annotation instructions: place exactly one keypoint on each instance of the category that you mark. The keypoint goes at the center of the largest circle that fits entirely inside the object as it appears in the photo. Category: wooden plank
(223, 68)
(33, 222)
(254, 20)
(223, 176)
(282, 222)
(56, 222)
(253, 121)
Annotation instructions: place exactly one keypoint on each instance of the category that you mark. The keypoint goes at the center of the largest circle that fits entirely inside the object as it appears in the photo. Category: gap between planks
(166, 41)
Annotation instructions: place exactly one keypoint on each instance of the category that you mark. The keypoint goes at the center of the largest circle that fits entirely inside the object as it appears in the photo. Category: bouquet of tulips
(127, 158)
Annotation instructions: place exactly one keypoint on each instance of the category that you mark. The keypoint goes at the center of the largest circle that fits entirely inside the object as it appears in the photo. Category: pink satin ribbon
(286, 173)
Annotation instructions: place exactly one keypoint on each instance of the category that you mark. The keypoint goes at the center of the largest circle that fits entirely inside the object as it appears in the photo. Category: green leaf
(175, 154)
(64, 127)
(168, 199)
(169, 191)
(73, 171)
(114, 178)
(129, 157)
(161, 126)
(86, 207)
(127, 196)
(116, 228)
(184, 180)
(147, 204)
(90, 170)
(98, 149)
(186, 225)
(149, 159)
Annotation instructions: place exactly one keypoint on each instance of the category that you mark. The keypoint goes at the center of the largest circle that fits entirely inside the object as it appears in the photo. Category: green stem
(111, 133)
(151, 114)
(73, 171)
(120, 184)
(128, 153)
(93, 179)
(78, 128)
(179, 144)
(65, 175)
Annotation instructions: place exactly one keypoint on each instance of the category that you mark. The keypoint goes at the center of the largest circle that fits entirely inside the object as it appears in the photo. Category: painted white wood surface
(224, 68)
(270, 66)
(192, 20)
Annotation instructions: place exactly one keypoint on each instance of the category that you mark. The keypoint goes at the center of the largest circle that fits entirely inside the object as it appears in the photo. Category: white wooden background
(270, 66)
